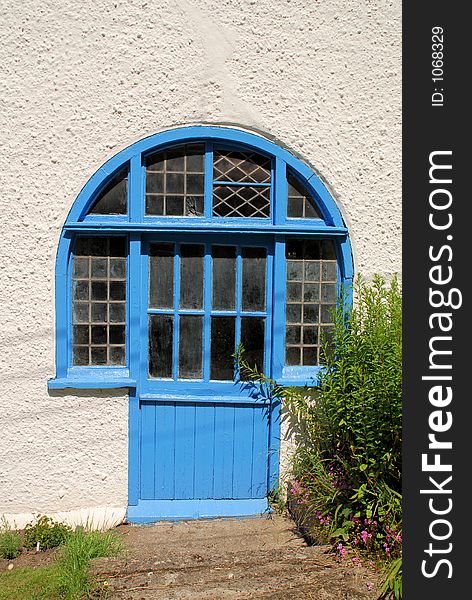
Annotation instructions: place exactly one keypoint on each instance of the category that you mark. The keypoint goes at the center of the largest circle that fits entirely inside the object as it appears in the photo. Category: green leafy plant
(47, 532)
(392, 585)
(347, 466)
(10, 541)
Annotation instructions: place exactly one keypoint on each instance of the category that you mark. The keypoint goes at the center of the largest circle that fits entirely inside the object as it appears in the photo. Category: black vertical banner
(437, 261)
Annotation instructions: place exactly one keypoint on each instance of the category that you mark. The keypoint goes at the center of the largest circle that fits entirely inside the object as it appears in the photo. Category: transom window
(187, 244)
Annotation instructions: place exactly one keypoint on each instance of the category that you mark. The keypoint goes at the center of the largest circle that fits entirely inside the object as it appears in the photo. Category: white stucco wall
(82, 80)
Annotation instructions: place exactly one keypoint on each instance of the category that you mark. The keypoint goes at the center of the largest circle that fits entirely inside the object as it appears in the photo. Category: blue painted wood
(260, 452)
(185, 451)
(242, 456)
(134, 449)
(148, 451)
(150, 511)
(224, 448)
(204, 450)
(274, 444)
(165, 443)
(187, 225)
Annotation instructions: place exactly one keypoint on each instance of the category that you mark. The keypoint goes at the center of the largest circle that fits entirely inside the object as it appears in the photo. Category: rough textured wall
(82, 80)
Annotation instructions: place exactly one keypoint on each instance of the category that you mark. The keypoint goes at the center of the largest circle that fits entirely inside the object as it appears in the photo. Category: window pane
(252, 338)
(190, 347)
(113, 199)
(254, 278)
(301, 204)
(310, 301)
(191, 276)
(222, 348)
(161, 275)
(175, 182)
(224, 277)
(99, 299)
(161, 331)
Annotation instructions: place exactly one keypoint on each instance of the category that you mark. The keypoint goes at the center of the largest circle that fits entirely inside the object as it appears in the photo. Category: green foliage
(276, 499)
(80, 548)
(347, 469)
(47, 532)
(392, 585)
(10, 541)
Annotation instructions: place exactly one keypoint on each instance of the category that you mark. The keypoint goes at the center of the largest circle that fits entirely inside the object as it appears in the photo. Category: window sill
(89, 378)
(299, 377)
(89, 384)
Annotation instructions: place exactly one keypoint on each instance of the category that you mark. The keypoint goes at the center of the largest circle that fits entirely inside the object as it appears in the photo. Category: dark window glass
(190, 347)
(161, 331)
(224, 277)
(99, 299)
(254, 278)
(191, 276)
(301, 204)
(252, 339)
(113, 199)
(175, 182)
(161, 275)
(222, 348)
(311, 298)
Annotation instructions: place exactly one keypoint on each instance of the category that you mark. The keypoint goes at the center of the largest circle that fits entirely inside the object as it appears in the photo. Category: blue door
(206, 439)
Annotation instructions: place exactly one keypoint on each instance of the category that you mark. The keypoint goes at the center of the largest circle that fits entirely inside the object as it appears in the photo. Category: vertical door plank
(260, 452)
(224, 424)
(148, 446)
(243, 440)
(165, 435)
(184, 451)
(204, 450)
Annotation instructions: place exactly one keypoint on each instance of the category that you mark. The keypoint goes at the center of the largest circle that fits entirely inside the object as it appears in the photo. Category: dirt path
(220, 559)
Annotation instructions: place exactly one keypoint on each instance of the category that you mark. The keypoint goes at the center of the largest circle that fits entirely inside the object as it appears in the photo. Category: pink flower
(342, 551)
(365, 536)
(370, 586)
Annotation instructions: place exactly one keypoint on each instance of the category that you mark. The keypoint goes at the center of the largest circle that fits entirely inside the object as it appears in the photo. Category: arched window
(179, 248)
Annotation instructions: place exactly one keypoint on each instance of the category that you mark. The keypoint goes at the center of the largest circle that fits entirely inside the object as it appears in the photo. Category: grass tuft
(10, 541)
(80, 548)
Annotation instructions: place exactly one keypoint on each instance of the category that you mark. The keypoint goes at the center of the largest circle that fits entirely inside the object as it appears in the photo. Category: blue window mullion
(144, 316)
(208, 181)
(278, 308)
(136, 195)
(268, 319)
(239, 279)
(279, 196)
(207, 298)
(175, 348)
(242, 184)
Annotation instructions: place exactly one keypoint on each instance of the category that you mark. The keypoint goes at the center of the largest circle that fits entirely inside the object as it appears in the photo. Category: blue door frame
(202, 448)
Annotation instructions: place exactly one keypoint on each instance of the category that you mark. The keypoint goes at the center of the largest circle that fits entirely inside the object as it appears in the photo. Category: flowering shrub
(347, 469)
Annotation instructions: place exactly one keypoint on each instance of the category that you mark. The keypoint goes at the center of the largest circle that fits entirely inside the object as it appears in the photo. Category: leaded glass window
(310, 299)
(241, 184)
(99, 301)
